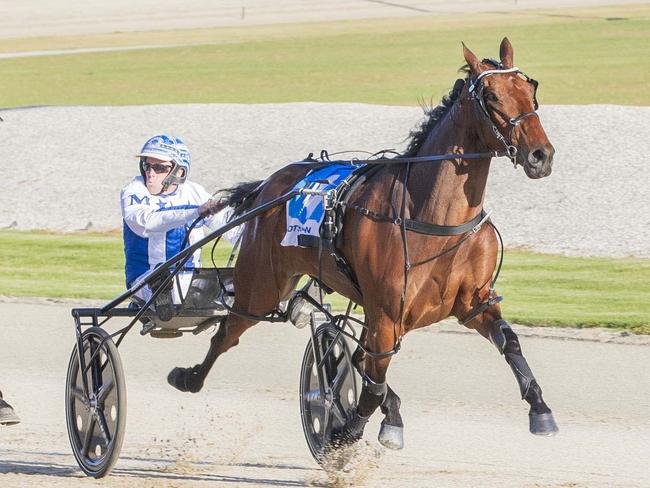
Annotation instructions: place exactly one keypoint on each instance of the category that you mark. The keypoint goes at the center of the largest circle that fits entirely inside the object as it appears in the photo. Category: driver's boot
(7, 414)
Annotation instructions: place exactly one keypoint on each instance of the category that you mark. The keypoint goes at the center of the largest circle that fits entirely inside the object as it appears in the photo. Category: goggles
(157, 168)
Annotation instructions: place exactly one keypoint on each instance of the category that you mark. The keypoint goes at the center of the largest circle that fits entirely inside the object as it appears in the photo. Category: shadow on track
(70, 471)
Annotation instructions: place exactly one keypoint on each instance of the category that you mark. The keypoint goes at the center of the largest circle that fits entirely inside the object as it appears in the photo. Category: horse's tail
(240, 195)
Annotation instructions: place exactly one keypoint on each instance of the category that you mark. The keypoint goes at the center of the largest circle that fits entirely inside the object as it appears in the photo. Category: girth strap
(444, 230)
(422, 227)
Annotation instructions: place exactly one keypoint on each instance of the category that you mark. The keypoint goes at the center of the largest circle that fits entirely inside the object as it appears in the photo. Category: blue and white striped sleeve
(143, 218)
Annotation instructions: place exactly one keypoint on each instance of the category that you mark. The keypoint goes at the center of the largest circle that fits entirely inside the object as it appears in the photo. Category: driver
(157, 209)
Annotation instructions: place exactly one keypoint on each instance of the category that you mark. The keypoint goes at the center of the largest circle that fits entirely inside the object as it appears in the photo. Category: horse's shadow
(38, 468)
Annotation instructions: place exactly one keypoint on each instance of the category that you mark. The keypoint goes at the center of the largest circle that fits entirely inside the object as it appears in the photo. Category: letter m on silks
(139, 201)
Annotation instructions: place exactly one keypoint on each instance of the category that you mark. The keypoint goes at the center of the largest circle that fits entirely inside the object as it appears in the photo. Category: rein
(428, 159)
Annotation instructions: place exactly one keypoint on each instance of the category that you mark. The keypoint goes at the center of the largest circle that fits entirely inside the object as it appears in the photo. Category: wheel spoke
(96, 369)
(103, 427)
(332, 362)
(85, 447)
(327, 420)
(326, 360)
(91, 368)
(339, 412)
(340, 379)
(105, 390)
(103, 366)
(79, 394)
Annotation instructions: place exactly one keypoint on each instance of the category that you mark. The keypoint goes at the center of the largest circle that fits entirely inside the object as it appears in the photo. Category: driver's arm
(144, 217)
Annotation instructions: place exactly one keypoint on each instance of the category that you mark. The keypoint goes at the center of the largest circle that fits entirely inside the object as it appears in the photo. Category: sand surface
(464, 422)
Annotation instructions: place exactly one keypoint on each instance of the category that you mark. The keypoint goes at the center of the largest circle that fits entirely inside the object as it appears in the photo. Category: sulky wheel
(324, 416)
(96, 411)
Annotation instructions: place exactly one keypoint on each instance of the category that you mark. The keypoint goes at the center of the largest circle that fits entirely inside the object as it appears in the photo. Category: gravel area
(69, 164)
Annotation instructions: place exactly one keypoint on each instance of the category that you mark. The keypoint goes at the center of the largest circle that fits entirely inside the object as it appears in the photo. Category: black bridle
(476, 88)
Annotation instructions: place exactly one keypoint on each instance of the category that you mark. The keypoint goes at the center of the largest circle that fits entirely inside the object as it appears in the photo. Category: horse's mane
(434, 115)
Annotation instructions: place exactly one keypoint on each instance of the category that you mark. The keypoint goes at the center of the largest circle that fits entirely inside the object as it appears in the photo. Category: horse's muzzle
(539, 161)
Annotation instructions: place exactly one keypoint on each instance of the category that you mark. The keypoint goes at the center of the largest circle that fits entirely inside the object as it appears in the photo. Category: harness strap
(477, 80)
(383, 161)
(480, 308)
(444, 230)
(419, 226)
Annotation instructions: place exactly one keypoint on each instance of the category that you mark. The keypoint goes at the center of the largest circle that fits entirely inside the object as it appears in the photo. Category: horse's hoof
(391, 436)
(185, 379)
(542, 424)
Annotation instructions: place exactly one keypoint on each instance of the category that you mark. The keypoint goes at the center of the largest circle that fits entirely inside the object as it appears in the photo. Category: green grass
(43, 264)
(539, 289)
(60, 265)
(580, 56)
(543, 289)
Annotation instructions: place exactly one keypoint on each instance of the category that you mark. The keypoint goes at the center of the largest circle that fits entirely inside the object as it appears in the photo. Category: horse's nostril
(539, 155)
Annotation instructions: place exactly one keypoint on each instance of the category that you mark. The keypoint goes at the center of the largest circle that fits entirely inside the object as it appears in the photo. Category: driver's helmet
(185, 157)
(167, 148)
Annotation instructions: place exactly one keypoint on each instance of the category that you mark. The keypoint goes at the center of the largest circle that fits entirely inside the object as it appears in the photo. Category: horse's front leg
(374, 392)
(491, 326)
(391, 434)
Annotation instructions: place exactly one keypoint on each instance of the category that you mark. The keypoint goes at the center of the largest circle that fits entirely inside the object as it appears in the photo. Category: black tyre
(323, 417)
(96, 417)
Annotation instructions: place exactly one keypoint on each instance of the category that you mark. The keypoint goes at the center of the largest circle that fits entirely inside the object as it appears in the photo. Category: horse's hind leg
(256, 297)
(498, 331)
(227, 336)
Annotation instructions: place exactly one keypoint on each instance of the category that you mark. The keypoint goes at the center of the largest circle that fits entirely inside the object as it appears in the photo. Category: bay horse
(492, 109)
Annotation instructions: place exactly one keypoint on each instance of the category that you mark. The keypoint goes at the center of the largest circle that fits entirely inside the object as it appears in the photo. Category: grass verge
(539, 289)
(581, 56)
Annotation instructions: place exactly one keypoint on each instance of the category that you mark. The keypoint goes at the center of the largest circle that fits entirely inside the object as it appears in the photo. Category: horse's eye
(491, 97)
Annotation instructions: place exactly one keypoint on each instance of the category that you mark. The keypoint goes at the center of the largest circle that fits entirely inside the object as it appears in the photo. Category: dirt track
(465, 425)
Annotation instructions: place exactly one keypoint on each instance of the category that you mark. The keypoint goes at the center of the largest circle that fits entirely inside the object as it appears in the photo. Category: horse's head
(505, 103)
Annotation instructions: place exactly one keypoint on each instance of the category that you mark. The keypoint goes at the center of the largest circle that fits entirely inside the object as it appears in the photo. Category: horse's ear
(472, 61)
(505, 53)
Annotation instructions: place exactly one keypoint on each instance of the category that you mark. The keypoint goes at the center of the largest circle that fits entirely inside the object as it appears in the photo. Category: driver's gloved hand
(211, 207)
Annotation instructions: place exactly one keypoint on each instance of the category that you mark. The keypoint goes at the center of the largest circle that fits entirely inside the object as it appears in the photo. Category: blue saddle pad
(305, 212)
